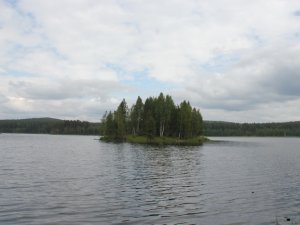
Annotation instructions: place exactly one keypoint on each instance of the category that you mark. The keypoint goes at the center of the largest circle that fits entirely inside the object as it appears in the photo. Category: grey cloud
(83, 109)
(66, 89)
(169, 38)
(3, 98)
(262, 77)
(286, 81)
(279, 73)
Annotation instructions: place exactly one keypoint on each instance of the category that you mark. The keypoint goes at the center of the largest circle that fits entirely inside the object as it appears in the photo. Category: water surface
(53, 179)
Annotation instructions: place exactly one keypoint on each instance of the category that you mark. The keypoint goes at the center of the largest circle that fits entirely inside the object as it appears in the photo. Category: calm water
(48, 179)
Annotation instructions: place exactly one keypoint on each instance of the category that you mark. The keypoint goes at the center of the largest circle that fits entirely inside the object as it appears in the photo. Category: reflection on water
(48, 179)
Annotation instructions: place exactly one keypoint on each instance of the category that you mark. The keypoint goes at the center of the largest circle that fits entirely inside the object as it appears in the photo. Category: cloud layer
(76, 59)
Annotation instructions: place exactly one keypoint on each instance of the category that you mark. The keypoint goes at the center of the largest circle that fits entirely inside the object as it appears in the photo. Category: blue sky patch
(141, 82)
(11, 2)
(220, 63)
(297, 13)
(147, 86)
(140, 78)
(18, 73)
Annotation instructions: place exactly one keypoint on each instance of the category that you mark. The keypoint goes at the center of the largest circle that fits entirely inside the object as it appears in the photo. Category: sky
(235, 60)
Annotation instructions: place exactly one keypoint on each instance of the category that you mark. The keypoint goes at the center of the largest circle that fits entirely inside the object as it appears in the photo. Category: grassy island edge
(137, 139)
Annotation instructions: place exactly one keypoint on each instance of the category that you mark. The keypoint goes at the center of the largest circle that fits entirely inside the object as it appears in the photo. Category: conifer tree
(136, 116)
(110, 125)
(156, 117)
(121, 119)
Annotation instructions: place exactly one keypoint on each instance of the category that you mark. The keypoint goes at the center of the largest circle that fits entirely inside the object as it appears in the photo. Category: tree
(110, 125)
(160, 112)
(103, 122)
(196, 122)
(121, 119)
(169, 113)
(185, 120)
(148, 125)
(156, 117)
(136, 115)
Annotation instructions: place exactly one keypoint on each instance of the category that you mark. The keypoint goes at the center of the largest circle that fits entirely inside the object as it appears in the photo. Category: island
(156, 121)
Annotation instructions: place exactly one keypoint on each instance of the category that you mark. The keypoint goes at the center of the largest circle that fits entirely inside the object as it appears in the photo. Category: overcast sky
(235, 60)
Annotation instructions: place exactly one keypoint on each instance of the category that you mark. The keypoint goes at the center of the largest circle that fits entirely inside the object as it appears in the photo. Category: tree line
(136, 126)
(219, 128)
(157, 116)
(49, 126)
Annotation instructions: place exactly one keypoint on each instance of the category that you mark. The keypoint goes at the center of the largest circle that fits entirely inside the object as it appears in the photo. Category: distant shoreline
(210, 128)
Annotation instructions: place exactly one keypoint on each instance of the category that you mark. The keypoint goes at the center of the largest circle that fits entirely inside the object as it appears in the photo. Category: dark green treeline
(49, 126)
(157, 116)
(219, 128)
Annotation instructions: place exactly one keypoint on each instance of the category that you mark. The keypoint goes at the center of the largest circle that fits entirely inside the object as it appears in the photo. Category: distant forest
(216, 128)
(49, 126)
(210, 128)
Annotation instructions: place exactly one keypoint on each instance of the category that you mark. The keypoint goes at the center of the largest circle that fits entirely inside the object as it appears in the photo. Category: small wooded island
(157, 121)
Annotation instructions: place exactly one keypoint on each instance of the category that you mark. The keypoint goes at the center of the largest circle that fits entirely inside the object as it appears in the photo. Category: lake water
(49, 179)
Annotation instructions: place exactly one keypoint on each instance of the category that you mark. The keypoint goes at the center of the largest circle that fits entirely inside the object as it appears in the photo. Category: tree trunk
(161, 129)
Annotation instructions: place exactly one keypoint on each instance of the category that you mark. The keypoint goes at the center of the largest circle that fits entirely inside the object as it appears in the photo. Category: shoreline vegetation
(194, 141)
(230, 129)
(48, 125)
(156, 121)
(210, 128)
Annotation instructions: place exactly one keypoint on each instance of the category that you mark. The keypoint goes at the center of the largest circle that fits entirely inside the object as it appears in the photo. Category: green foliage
(185, 120)
(197, 124)
(149, 125)
(121, 120)
(49, 126)
(218, 128)
(136, 116)
(110, 125)
(157, 117)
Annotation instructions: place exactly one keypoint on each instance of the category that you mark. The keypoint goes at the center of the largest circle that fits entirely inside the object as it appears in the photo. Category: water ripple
(79, 180)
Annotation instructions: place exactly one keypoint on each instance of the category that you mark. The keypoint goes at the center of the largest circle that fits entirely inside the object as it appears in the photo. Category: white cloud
(229, 59)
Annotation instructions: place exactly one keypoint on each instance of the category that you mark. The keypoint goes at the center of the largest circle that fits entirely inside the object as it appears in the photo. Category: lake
(54, 179)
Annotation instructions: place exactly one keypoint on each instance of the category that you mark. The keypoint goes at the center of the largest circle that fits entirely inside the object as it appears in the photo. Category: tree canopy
(157, 116)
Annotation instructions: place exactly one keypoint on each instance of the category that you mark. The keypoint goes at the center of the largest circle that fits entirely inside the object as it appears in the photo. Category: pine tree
(156, 117)
(160, 113)
(196, 122)
(169, 114)
(185, 120)
(110, 126)
(136, 115)
(121, 119)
